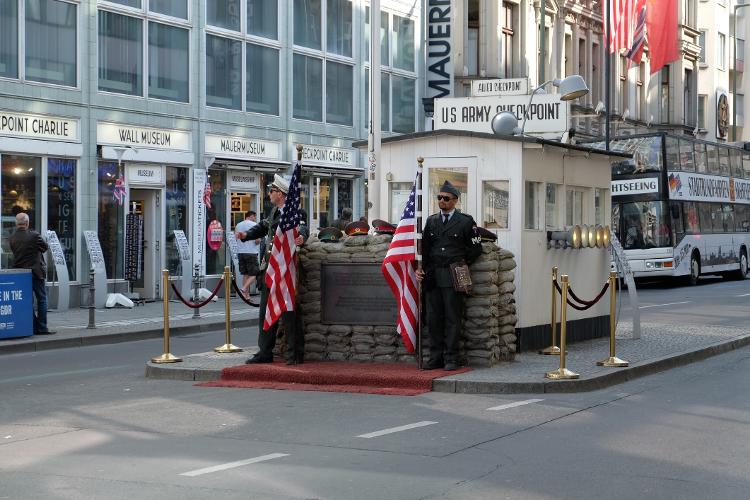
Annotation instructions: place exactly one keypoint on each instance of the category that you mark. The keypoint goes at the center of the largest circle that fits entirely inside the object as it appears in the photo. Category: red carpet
(333, 376)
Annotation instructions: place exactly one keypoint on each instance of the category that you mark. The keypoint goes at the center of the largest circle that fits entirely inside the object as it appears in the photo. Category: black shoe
(258, 359)
(433, 365)
(45, 332)
(451, 367)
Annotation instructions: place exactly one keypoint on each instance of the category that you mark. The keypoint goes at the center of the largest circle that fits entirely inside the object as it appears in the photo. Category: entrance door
(147, 202)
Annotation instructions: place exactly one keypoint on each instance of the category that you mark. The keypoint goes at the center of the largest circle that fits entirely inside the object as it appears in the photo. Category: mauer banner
(439, 74)
(547, 113)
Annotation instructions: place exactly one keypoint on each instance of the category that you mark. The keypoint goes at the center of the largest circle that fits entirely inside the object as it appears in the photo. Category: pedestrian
(277, 192)
(344, 219)
(28, 249)
(247, 253)
(449, 237)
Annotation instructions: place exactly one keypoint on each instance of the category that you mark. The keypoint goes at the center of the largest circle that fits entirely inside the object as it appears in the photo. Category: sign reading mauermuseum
(224, 146)
(547, 113)
(439, 72)
(152, 138)
(38, 127)
(325, 156)
(506, 86)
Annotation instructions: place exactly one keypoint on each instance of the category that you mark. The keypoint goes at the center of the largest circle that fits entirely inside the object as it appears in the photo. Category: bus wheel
(695, 269)
(742, 271)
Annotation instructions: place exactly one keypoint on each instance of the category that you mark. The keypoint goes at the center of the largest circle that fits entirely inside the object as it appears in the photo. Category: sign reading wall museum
(152, 138)
(325, 156)
(224, 146)
(547, 113)
(38, 127)
(439, 61)
(507, 86)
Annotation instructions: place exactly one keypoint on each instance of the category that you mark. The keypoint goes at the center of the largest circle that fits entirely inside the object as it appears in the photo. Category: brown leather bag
(461, 277)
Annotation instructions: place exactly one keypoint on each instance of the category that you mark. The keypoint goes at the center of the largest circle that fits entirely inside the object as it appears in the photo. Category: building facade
(180, 112)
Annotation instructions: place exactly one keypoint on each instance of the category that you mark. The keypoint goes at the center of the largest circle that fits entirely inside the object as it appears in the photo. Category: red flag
(281, 275)
(399, 272)
(661, 24)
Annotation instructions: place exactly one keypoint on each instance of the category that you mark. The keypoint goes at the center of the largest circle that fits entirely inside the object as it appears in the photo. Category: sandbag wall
(489, 322)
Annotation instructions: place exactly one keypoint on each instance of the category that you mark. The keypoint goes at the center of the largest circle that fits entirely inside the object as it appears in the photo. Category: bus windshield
(641, 224)
(646, 151)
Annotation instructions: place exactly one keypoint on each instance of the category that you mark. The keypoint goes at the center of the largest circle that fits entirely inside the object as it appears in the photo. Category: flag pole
(607, 71)
(418, 257)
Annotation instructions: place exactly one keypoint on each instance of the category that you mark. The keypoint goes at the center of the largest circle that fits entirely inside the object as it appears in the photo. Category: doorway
(147, 203)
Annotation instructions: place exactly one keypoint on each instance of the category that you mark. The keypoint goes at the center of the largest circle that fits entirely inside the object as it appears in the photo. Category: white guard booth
(521, 188)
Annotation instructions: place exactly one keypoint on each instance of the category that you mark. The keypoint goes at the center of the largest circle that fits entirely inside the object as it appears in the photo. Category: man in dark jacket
(277, 192)
(28, 249)
(449, 236)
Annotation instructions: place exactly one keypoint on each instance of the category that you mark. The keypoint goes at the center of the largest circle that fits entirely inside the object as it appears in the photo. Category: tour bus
(681, 206)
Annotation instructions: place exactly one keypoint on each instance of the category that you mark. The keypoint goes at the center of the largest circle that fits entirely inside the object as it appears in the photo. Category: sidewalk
(121, 324)
(661, 346)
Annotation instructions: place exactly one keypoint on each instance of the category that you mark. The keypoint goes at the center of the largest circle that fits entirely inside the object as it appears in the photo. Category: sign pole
(373, 138)
(418, 257)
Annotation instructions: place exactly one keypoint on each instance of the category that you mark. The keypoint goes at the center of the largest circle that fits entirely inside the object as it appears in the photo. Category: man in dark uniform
(277, 192)
(449, 236)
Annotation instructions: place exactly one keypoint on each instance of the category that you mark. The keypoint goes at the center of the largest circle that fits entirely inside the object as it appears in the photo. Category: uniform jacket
(28, 249)
(443, 244)
(266, 229)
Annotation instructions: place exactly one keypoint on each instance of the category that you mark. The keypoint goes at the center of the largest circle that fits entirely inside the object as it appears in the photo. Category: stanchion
(167, 357)
(196, 290)
(553, 349)
(562, 373)
(613, 360)
(92, 300)
(227, 347)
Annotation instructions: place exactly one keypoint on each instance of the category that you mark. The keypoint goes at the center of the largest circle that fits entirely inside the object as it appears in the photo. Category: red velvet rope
(239, 293)
(198, 306)
(588, 303)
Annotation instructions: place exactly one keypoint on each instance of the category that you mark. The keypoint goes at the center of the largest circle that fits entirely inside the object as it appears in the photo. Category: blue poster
(16, 303)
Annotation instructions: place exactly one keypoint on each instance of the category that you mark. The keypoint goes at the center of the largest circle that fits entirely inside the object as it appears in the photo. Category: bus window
(673, 160)
(691, 217)
(644, 225)
(704, 215)
(616, 220)
(686, 156)
(742, 218)
(746, 165)
(646, 151)
(735, 158)
(678, 227)
(727, 212)
(701, 163)
(724, 161)
(713, 160)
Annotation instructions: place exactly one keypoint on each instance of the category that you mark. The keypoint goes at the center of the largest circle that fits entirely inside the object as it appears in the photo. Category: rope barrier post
(612, 361)
(196, 290)
(92, 300)
(227, 347)
(167, 357)
(553, 349)
(562, 373)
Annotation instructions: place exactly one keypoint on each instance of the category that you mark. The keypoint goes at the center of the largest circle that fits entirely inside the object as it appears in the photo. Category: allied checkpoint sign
(548, 115)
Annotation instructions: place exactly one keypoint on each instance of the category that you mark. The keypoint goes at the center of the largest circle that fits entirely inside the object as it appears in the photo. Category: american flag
(635, 51)
(399, 271)
(281, 276)
(119, 190)
(624, 19)
(207, 192)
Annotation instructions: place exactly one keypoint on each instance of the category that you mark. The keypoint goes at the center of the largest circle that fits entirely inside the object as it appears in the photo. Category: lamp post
(734, 72)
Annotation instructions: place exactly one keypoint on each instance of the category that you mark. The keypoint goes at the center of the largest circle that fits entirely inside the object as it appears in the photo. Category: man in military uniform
(449, 236)
(277, 192)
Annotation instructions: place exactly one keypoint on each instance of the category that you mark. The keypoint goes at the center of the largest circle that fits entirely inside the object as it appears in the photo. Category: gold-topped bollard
(553, 349)
(167, 357)
(227, 347)
(562, 373)
(612, 360)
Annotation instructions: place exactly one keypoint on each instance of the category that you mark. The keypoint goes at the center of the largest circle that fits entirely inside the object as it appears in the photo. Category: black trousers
(295, 339)
(445, 309)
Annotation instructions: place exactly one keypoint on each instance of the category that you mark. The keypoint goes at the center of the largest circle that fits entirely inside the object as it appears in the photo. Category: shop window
(51, 42)
(216, 220)
(168, 62)
(403, 104)
(322, 201)
(344, 190)
(339, 93)
(61, 208)
(551, 206)
(176, 194)
(574, 206)
(531, 205)
(120, 53)
(20, 193)
(495, 204)
(223, 72)
(111, 218)
(263, 18)
(307, 101)
(174, 8)
(9, 40)
(224, 14)
(262, 71)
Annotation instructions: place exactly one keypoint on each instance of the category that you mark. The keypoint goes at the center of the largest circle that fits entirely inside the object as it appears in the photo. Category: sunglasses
(273, 190)
(444, 198)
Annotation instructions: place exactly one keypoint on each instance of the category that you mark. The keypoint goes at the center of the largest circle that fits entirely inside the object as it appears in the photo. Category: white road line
(396, 429)
(513, 405)
(744, 295)
(232, 465)
(660, 305)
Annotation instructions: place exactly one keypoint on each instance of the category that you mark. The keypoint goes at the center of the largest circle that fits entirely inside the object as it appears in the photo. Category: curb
(116, 338)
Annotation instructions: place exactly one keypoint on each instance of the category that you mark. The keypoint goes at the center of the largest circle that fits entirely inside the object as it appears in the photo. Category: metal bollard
(612, 360)
(92, 301)
(227, 347)
(562, 373)
(166, 357)
(553, 349)
(196, 290)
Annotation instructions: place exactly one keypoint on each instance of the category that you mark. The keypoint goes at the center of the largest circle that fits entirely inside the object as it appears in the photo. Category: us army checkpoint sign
(547, 113)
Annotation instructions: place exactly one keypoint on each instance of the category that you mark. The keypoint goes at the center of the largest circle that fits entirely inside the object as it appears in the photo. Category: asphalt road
(84, 423)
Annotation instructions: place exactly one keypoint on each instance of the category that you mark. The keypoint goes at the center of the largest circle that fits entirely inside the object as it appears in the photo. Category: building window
(688, 12)
(664, 109)
(9, 40)
(61, 208)
(599, 197)
(262, 91)
(385, 100)
(574, 206)
(495, 204)
(623, 86)
(224, 14)
(307, 23)
(168, 62)
(551, 208)
(722, 51)
(51, 42)
(507, 49)
(595, 78)
(339, 93)
(472, 33)
(339, 27)
(702, 102)
(223, 72)
(308, 88)
(739, 103)
(404, 95)
(403, 43)
(173, 8)
(531, 205)
(640, 101)
(120, 54)
(384, 38)
(702, 44)
(688, 99)
(110, 220)
(263, 19)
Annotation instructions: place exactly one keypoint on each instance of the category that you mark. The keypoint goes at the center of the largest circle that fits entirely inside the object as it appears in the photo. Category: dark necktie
(445, 218)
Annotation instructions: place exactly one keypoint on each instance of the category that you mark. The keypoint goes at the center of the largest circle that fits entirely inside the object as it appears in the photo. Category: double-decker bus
(681, 206)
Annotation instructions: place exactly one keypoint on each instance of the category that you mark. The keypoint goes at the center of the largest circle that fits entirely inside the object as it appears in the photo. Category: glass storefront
(21, 192)
(176, 196)
(110, 217)
(216, 222)
(61, 208)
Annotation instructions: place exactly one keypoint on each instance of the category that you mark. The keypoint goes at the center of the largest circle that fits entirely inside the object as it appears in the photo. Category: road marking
(744, 295)
(60, 374)
(156, 320)
(513, 405)
(660, 305)
(396, 429)
(233, 465)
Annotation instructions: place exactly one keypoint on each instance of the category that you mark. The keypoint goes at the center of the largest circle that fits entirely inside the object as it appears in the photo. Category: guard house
(521, 188)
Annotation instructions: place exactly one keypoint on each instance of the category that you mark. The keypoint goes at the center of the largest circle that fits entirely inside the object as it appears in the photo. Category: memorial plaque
(55, 248)
(94, 248)
(356, 294)
(183, 247)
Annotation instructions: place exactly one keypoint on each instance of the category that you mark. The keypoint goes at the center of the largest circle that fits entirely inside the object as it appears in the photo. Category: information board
(621, 261)
(133, 247)
(355, 294)
(183, 247)
(16, 304)
(232, 245)
(96, 257)
(62, 302)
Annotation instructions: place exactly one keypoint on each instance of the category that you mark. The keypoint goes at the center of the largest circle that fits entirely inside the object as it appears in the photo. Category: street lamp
(734, 73)
(571, 87)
